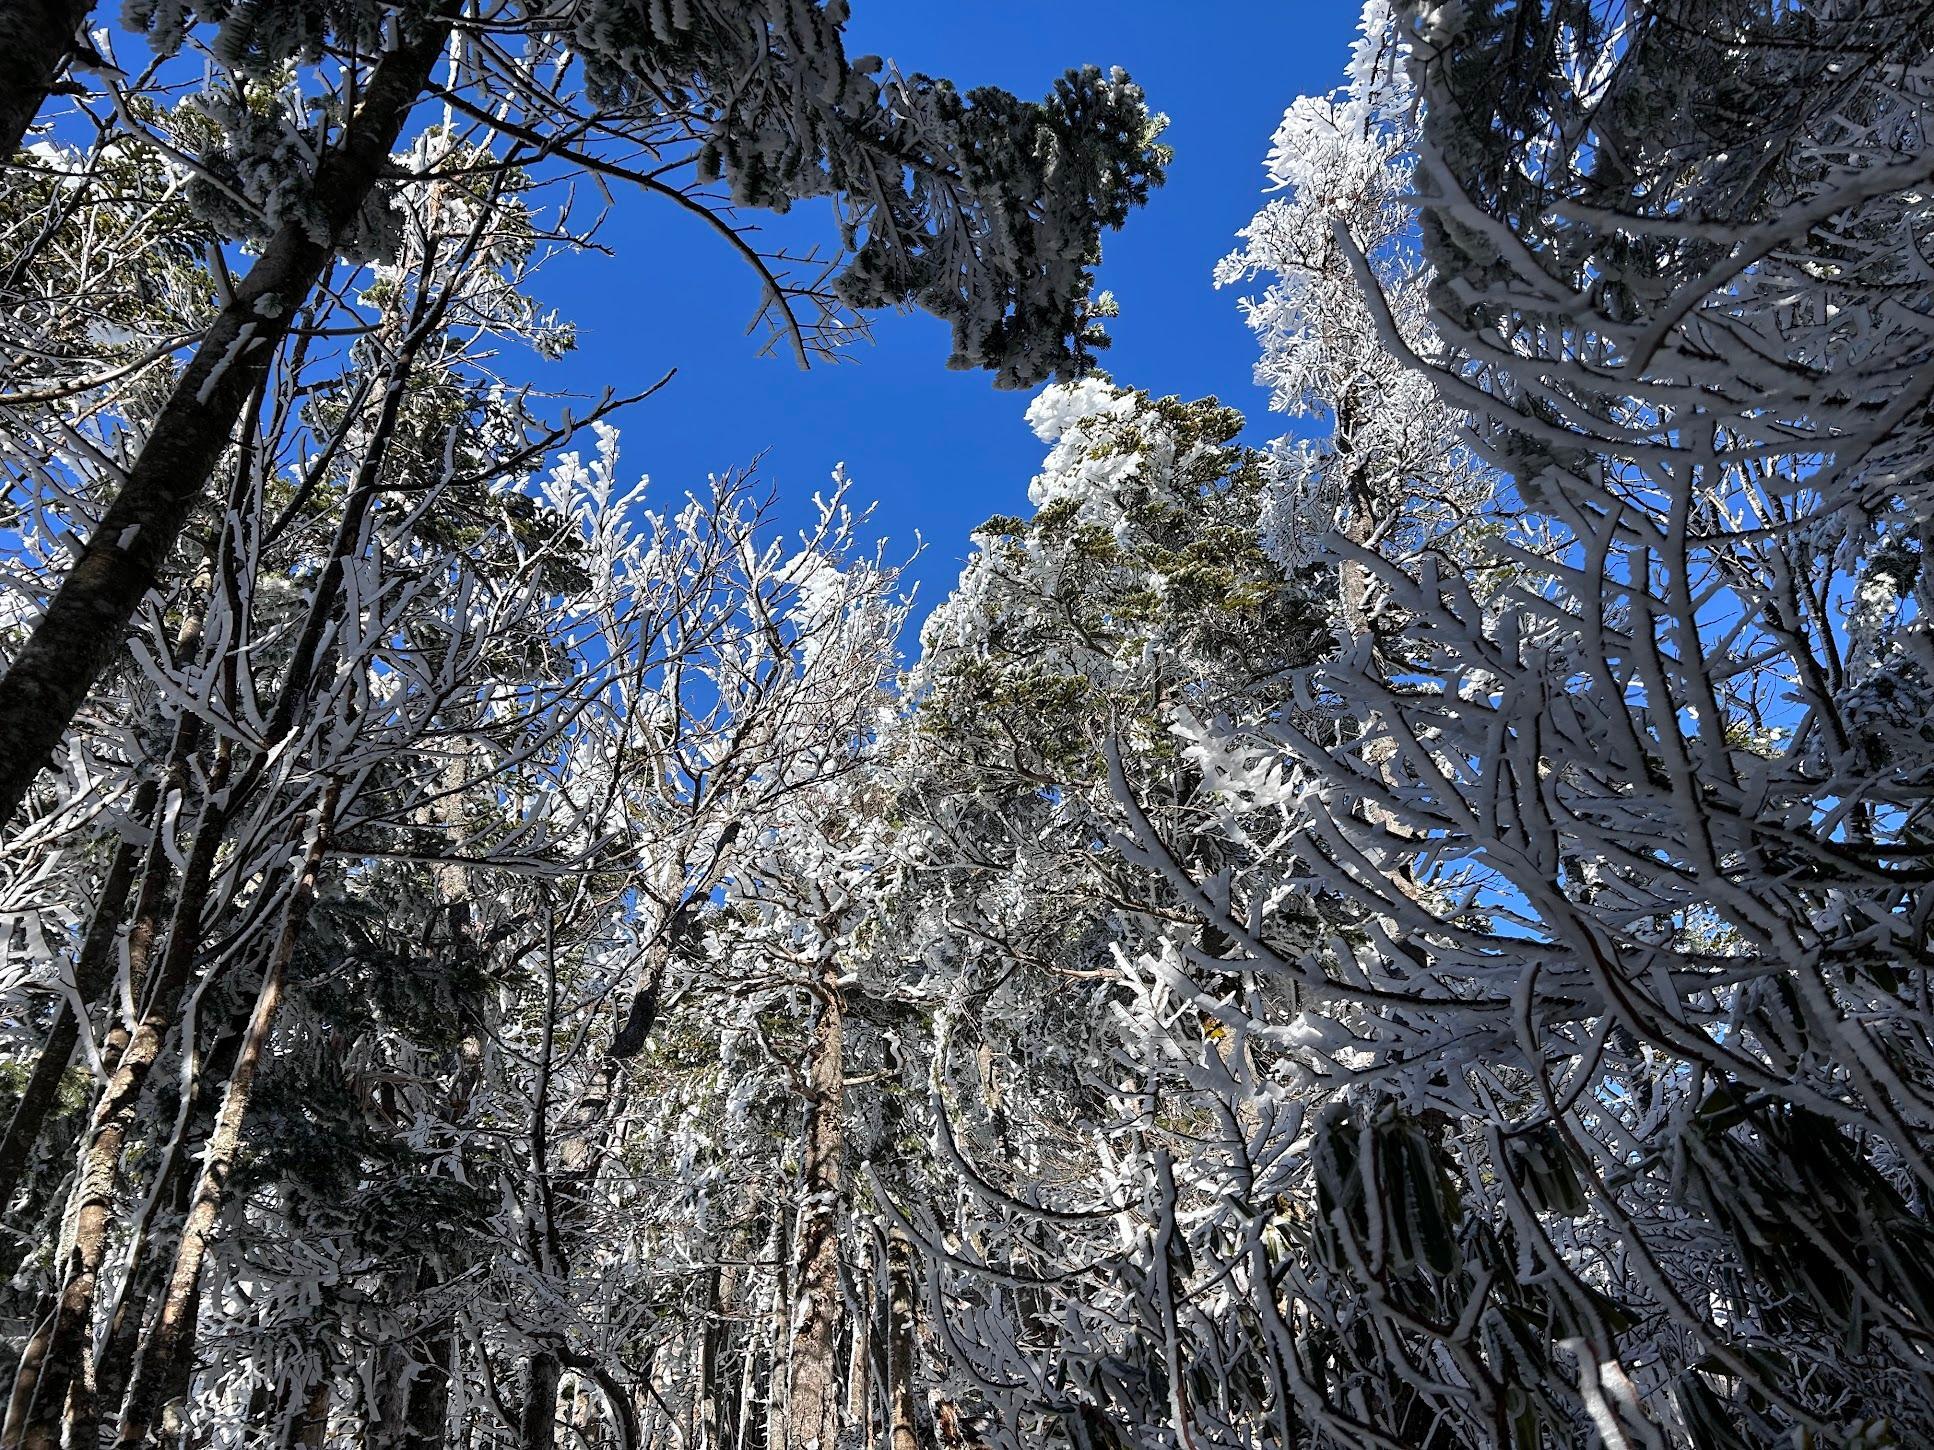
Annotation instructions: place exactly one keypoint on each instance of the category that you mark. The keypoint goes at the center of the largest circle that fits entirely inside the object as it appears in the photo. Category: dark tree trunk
(123, 558)
(539, 1430)
(426, 1408)
(710, 1417)
(312, 1430)
(36, 39)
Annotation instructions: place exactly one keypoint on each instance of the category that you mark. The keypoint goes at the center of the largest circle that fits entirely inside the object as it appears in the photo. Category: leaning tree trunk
(95, 963)
(123, 558)
(36, 39)
(158, 1365)
(812, 1405)
(39, 1400)
(93, 969)
(144, 1272)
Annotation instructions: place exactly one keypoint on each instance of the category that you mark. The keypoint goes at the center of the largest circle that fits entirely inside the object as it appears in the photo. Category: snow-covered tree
(983, 209)
(1620, 1018)
(1062, 1075)
(1412, 936)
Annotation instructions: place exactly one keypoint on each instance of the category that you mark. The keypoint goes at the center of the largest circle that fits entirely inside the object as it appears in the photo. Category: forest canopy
(1413, 934)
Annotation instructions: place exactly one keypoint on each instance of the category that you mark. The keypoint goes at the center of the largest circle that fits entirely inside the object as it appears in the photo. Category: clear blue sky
(938, 450)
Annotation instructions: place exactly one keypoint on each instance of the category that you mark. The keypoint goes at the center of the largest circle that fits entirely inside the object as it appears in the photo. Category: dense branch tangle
(1630, 795)
(263, 406)
(1556, 1066)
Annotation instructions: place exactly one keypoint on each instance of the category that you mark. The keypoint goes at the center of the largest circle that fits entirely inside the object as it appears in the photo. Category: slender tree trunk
(812, 1406)
(1355, 598)
(539, 1430)
(426, 1409)
(36, 38)
(38, 1403)
(708, 1429)
(778, 1342)
(122, 560)
(33, 1359)
(903, 1424)
(93, 968)
(159, 1363)
(144, 1271)
(313, 1431)
(622, 1415)
(426, 1412)
(144, 932)
(859, 1350)
(746, 1409)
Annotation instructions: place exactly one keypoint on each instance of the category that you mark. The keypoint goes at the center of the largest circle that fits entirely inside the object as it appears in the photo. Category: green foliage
(1139, 585)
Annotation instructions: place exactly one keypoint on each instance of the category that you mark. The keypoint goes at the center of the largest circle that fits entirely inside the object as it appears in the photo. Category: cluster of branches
(1414, 937)
(1549, 1063)
(389, 794)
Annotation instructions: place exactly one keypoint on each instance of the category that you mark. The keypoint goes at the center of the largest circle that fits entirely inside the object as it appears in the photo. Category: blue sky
(940, 451)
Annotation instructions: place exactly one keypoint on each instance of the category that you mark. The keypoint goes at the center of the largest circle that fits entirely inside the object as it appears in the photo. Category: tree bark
(123, 558)
(903, 1427)
(859, 1350)
(93, 967)
(778, 1342)
(539, 1430)
(38, 1403)
(312, 1430)
(812, 1407)
(426, 1406)
(145, 1271)
(427, 1411)
(36, 39)
(159, 1362)
(708, 1423)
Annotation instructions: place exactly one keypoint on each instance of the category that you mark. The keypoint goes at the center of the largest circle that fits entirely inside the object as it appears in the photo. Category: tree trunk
(123, 558)
(539, 1430)
(38, 1403)
(903, 1431)
(159, 1363)
(93, 967)
(144, 932)
(426, 1404)
(145, 1271)
(777, 1340)
(312, 1430)
(36, 39)
(746, 1410)
(426, 1411)
(709, 1421)
(859, 1348)
(812, 1406)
